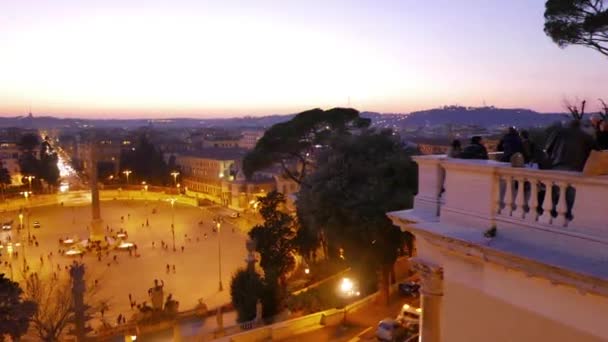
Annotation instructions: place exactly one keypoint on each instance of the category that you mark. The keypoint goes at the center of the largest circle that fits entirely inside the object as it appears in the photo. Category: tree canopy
(275, 243)
(357, 180)
(578, 22)
(146, 162)
(15, 312)
(292, 142)
(245, 290)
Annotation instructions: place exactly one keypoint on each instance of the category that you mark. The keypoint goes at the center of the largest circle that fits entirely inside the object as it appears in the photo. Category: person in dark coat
(601, 136)
(475, 150)
(509, 145)
(529, 147)
(569, 147)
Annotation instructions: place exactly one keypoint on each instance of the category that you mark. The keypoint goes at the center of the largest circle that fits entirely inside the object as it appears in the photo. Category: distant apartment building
(215, 174)
(508, 254)
(108, 154)
(225, 142)
(249, 138)
(9, 155)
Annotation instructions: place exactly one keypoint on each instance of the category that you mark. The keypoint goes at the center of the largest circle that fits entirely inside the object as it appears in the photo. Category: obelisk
(97, 232)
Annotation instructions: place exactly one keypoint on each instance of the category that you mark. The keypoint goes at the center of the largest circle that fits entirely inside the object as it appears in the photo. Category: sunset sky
(135, 58)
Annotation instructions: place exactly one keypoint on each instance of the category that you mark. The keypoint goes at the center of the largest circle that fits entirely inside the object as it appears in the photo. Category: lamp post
(26, 194)
(218, 223)
(29, 179)
(172, 200)
(175, 174)
(127, 173)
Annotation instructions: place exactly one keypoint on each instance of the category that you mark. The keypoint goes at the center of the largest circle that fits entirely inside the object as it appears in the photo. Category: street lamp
(26, 194)
(175, 174)
(127, 173)
(218, 223)
(29, 179)
(172, 200)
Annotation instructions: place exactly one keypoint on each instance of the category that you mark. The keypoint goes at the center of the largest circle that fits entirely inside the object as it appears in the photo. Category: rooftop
(217, 153)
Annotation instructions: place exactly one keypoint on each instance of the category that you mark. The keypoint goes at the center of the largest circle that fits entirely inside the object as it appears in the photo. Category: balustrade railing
(535, 196)
(485, 193)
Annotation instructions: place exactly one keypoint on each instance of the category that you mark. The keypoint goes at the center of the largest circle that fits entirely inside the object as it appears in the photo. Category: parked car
(390, 330)
(36, 224)
(409, 289)
(235, 215)
(409, 315)
(7, 225)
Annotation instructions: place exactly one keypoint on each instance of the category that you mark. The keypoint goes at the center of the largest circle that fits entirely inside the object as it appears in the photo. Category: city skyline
(133, 59)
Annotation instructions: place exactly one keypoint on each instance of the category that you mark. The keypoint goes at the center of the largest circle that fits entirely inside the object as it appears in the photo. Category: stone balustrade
(487, 193)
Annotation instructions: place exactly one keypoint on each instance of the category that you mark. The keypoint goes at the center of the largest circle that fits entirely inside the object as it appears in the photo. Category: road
(361, 324)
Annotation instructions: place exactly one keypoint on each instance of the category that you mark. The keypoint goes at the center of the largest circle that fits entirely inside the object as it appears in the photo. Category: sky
(202, 58)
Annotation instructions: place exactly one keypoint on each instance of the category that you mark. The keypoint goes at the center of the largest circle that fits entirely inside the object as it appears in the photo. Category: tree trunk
(383, 287)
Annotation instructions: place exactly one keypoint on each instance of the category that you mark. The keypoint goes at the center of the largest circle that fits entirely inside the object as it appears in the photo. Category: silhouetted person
(509, 145)
(475, 150)
(569, 147)
(529, 147)
(601, 136)
(455, 149)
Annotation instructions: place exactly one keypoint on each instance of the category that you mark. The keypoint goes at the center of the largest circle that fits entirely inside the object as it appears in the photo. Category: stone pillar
(431, 293)
(97, 232)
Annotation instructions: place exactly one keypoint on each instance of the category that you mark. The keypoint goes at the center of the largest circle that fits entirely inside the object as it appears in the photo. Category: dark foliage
(146, 162)
(15, 312)
(245, 289)
(578, 22)
(292, 142)
(275, 243)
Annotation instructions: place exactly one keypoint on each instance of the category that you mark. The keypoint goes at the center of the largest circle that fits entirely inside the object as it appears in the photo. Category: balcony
(557, 218)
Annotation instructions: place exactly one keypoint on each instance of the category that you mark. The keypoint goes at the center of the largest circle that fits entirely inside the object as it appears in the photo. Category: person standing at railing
(475, 150)
(455, 149)
(601, 135)
(569, 147)
(509, 145)
(529, 148)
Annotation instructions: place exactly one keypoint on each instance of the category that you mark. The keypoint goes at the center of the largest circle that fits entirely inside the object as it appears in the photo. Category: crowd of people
(566, 148)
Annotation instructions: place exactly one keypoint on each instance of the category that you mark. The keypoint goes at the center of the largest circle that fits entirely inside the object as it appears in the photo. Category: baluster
(520, 211)
(500, 195)
(547, 204)
(533, 202)
(562, 206)
(509, 196)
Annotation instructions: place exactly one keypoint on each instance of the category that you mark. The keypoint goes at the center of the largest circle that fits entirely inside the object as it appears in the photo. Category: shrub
(245, 290)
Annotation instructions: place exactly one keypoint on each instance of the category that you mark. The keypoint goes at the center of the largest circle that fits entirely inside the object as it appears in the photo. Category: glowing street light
(29, 179)
(218, 223)
(175, 174)
(26, 194)
(347, 288)
(127, 173)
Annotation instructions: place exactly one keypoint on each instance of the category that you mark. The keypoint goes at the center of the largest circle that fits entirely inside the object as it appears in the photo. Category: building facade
(215, 175)
(249, 138)
(509, 254)
(9, 155)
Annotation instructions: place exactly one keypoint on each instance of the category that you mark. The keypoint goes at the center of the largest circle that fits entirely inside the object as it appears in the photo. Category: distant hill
(481, 116)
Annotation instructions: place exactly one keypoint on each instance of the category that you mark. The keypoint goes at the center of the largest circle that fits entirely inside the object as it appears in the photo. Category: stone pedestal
(431, 294)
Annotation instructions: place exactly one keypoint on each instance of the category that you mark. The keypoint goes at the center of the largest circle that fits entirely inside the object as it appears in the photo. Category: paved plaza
(196, 267)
